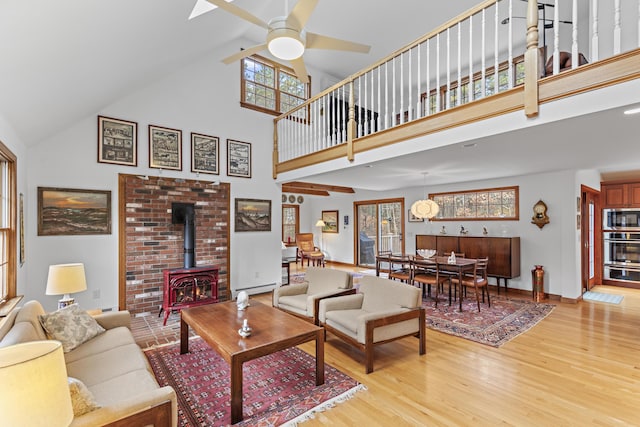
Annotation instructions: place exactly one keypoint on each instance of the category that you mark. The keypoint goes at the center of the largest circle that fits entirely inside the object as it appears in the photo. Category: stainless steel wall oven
(622, 255)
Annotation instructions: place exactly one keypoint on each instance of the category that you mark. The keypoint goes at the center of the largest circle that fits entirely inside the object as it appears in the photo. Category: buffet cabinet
(503, 252)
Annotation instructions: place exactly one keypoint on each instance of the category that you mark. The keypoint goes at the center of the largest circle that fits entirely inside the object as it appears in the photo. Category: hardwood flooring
(578, 367)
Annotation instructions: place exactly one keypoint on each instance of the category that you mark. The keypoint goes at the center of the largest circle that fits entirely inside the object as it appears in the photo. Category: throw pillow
(82, 400)
(71, 326)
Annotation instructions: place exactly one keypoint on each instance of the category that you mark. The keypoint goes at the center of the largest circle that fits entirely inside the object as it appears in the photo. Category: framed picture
(330, 219)
(238, 158)
(413, 218)
(117, 141)
(165, 148)
(253, 215)
(204, 153)
(66, 211)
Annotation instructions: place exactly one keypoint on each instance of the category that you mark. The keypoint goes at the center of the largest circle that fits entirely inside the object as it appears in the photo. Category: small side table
(286, 263)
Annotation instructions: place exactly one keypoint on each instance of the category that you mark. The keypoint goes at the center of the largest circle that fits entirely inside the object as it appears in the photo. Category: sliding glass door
(380, 227)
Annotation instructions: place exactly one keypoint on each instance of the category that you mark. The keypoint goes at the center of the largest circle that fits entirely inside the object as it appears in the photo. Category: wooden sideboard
(503, 252)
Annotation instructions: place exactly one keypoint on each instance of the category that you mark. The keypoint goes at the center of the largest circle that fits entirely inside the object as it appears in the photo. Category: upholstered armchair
(383, 310)
(302, 299)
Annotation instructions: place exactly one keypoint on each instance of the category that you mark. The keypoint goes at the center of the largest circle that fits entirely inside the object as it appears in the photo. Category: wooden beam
(305, 191)
(297, 185)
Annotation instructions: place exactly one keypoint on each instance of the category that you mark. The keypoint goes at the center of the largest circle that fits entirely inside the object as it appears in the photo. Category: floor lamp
(321, 224)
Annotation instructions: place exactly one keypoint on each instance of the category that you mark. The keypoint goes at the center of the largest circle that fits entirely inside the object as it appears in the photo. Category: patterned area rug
(279, 389)
(494, 326)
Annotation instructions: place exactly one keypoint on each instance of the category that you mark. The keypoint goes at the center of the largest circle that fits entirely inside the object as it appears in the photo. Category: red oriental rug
(504, 320)
(278, 389)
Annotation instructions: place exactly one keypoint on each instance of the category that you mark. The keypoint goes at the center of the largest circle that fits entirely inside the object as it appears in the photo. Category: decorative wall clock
(540, 217)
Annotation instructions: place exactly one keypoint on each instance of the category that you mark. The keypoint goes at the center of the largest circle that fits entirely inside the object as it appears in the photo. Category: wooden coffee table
(273, 330)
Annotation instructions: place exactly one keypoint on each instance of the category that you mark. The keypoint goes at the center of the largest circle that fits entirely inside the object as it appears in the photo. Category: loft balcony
(500, 57)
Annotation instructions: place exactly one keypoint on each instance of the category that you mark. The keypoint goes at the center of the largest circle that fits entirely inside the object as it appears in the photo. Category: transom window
(492, 203)
(270, 87)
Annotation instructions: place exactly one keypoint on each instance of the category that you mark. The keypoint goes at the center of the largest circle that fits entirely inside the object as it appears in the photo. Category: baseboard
(258, 289)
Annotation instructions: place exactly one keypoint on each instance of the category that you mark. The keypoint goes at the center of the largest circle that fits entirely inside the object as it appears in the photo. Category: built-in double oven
(621, 241)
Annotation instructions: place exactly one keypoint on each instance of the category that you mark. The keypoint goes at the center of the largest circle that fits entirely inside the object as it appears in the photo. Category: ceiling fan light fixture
(284, 42)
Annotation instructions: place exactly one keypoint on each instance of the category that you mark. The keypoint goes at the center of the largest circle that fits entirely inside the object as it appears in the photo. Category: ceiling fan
(286, 37)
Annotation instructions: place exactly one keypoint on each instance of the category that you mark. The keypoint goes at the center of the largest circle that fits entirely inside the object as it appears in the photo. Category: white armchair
(382, 311)
(302, 299)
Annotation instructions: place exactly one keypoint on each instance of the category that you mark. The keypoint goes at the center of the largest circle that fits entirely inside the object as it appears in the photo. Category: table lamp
(34, 388)
(66, 279)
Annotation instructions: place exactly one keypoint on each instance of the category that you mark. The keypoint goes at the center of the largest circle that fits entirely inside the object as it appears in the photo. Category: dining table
(457, 267)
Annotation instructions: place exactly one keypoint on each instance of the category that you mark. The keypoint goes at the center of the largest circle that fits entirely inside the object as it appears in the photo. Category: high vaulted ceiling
(63, 60)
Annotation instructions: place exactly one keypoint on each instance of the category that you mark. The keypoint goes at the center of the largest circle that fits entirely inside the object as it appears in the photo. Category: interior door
(591, 230)
(380, 227)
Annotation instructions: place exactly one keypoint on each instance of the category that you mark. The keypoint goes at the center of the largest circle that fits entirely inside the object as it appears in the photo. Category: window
(8, 209)
(492, 203)
(270, 87)
(290, 223)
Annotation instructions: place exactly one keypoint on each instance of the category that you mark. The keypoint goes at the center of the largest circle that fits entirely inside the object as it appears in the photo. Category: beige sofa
(111, 365)
(302, 299)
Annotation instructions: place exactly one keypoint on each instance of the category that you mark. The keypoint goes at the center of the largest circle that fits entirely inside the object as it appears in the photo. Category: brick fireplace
(150, 243)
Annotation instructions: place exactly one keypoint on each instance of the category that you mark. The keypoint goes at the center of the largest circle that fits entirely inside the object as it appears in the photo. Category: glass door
(380, 227)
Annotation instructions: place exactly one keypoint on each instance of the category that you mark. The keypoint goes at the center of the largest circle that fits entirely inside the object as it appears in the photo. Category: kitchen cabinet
(620, 194)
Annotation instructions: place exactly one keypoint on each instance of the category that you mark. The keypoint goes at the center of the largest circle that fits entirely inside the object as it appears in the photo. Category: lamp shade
(34, 388)
(425, 209)
(320, 223)
(66, 279)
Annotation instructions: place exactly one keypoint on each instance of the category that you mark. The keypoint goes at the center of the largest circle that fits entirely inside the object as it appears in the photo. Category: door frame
(356, 233)
(585, 194)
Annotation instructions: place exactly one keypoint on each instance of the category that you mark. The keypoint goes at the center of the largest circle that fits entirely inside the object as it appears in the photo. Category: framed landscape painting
(238, 158)
(117, 141)
(253, 215)
(330, 219)
(67, 211)
(165, 148)
(204, 154)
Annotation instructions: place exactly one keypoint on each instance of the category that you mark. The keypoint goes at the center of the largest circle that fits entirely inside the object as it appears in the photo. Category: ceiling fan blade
(240, 13)
(244, 53)
(317, 41)
(300, 69)
(301, 12)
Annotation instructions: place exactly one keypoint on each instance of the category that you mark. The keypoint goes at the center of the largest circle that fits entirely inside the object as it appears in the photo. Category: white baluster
(459, 88)
(386, 95)
(438, 73)
(393, 92)
(419, 76)
(616, 28)
(378, 124)
(373, 119)
(365, 109)
(556, 37)
(448, 91)
(510, 36)
(327, 136)
(471, 89)
(410, 87)
(427, 106)
(574, 36)
(401, 88)
(359, 121)
(594, 38)
(496, 64)
(483, 68)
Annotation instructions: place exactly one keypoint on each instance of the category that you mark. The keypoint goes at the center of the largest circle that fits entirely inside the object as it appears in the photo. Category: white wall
(202, 97)
(553, 246)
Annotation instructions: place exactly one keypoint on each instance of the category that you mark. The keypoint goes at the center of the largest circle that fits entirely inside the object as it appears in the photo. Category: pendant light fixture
(426, 208)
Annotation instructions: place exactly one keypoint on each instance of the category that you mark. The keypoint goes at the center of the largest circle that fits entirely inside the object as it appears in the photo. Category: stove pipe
(184, 213)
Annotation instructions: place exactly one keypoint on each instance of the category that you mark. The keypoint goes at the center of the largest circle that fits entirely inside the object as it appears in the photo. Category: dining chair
(478, 280)
(425, 273)
(400, 268)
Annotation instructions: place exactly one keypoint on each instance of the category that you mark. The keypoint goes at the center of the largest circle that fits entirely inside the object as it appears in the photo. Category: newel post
(351, 125)
(531, 62)
(275, 148)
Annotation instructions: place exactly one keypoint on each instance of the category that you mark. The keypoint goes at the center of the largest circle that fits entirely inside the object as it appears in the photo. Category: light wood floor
(578, 367)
